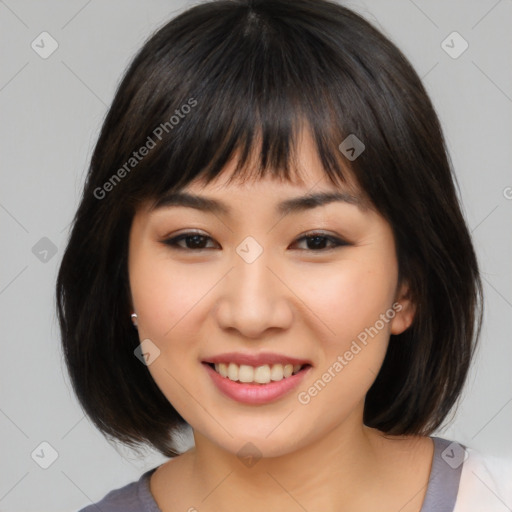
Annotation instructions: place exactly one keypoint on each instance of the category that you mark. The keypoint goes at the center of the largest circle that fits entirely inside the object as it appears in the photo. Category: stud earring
(134, 319)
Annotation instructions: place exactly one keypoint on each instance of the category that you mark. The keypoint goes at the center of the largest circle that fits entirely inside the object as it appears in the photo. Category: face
(316, 286)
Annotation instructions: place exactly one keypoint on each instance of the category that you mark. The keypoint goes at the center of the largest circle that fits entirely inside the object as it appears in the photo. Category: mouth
(256, 385)
(257, 375)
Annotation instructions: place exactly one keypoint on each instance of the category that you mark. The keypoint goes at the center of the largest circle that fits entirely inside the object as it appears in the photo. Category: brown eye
(193, 241)
(317, 242)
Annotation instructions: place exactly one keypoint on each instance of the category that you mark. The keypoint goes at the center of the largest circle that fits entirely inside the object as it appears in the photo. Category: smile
(244, 386)
(257, 375)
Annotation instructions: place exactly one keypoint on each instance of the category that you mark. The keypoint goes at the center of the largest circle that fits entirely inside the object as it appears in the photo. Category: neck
(335, 470)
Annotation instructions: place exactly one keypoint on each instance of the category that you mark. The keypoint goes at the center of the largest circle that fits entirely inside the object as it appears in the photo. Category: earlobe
(405, 309)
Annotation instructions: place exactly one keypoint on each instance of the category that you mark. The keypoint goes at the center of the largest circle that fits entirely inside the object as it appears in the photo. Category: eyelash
(173, 242)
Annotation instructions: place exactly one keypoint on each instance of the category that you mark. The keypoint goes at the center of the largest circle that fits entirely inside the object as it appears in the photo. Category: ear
(405, 309)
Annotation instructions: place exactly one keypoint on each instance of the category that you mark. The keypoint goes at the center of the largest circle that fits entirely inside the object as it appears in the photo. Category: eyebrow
(292, 205)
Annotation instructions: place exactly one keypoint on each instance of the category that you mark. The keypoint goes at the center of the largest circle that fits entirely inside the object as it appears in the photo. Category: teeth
(261, 375)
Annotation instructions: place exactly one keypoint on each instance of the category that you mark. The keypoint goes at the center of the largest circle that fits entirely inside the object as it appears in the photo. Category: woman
(271, 203)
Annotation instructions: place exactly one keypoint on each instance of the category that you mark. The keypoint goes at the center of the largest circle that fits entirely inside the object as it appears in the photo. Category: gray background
(51, 111)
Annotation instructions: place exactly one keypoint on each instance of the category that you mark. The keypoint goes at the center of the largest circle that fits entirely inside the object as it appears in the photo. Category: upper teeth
(262, 374)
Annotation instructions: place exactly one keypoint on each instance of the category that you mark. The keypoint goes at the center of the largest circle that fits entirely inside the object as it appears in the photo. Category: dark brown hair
(212, 81)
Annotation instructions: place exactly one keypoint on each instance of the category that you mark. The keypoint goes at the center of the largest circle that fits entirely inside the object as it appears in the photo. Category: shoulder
(485, 483)
(133, 497)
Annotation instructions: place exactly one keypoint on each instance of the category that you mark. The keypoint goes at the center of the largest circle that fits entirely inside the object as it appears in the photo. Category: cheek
(351, 338)
(350, 298)
(167, 298)
(165, 293)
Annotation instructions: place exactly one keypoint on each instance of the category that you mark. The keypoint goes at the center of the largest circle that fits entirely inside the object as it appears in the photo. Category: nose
(254, 298)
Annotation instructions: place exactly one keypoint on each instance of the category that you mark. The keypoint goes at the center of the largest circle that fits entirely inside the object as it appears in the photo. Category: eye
(317, 241)
(196, 242)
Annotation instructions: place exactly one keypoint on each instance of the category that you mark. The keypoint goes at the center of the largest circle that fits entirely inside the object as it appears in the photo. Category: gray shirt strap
(443, 483)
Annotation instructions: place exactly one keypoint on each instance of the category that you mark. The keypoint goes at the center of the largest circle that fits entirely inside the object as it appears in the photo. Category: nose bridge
(252, 280)
(252, 298)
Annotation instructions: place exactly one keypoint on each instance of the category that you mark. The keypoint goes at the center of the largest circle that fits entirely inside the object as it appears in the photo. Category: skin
(295, 300)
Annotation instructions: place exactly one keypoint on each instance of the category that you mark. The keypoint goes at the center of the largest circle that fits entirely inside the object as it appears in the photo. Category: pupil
(197, 240)
(318, 240)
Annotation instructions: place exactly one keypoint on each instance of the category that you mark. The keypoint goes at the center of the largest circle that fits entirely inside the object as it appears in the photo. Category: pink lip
(255, 359)
(255, 394)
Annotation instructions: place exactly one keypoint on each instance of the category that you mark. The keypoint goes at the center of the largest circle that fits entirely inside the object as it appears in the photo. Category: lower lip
(255, 394)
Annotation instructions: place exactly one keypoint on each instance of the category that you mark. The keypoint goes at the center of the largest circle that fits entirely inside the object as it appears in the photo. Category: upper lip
(255, 359)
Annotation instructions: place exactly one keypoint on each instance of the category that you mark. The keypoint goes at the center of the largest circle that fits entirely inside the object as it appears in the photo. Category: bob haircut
(208, 85)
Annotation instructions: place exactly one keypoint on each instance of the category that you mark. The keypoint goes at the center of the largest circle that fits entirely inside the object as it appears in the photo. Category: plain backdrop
(51, 110)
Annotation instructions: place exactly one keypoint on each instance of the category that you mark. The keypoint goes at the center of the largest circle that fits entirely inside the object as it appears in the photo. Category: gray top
(443, 486)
